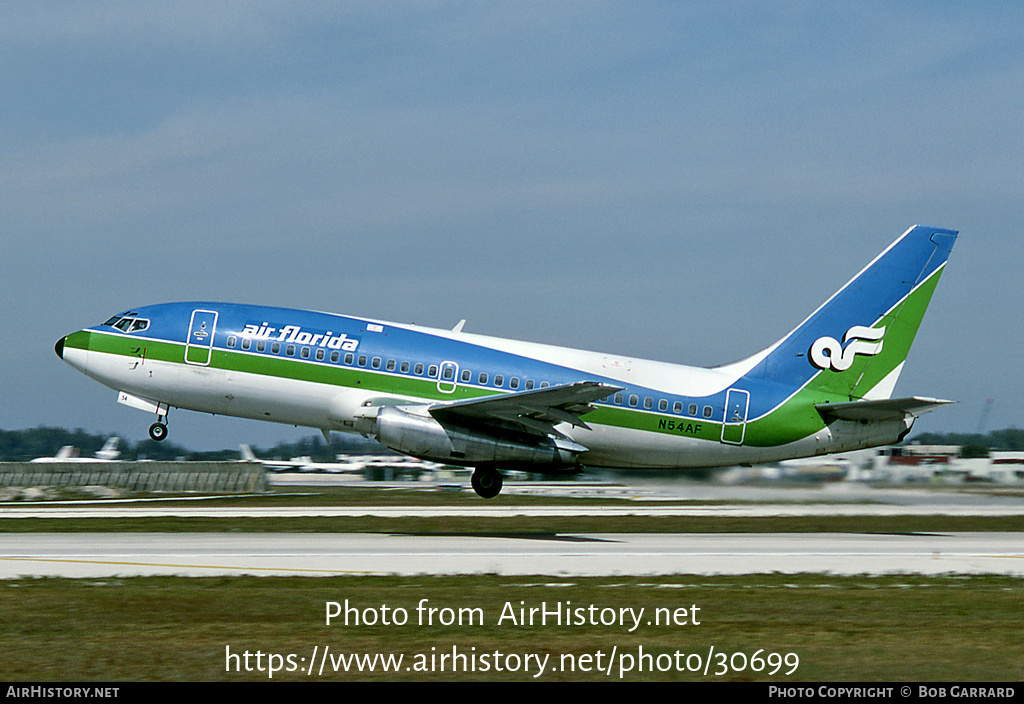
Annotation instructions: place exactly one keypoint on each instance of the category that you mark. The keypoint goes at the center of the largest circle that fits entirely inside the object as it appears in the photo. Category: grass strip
(889, 628)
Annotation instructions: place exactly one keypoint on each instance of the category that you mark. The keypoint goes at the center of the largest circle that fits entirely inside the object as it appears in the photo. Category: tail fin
(855, 344)
(109, 450)
(66, 452)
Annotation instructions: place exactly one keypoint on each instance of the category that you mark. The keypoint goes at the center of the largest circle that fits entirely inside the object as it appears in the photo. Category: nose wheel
(158, 431)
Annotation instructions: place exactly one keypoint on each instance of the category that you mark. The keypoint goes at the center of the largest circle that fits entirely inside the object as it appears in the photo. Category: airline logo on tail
(827, 353)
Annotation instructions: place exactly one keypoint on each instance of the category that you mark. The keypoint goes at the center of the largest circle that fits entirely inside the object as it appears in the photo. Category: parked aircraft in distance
(303, 464)
(343, 464)
(69, 453)
(458, 398)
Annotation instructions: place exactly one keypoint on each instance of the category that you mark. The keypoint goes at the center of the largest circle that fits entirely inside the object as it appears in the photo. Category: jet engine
(411, 430)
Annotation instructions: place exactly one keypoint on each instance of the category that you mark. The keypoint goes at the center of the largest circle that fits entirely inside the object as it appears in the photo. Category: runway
(509, 553)
(98, 555)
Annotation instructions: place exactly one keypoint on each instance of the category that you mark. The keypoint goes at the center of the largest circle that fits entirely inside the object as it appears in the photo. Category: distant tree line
(1009, 439)
(25, 445)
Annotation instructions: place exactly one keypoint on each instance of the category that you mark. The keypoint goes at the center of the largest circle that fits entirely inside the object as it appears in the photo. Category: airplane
(344, 464)
(495, 404)
(353, 466)
(69, 453)
(304, 464)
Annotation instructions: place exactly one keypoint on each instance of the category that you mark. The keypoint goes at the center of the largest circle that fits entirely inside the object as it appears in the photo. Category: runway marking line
(171, 564)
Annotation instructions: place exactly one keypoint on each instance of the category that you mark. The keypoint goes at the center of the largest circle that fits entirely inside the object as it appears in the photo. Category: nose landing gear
(158, 431)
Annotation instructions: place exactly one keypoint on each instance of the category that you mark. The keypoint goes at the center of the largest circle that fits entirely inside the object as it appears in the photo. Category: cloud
(649, 168)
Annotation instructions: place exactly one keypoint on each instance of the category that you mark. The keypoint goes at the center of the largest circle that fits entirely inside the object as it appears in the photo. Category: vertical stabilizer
(855, 344)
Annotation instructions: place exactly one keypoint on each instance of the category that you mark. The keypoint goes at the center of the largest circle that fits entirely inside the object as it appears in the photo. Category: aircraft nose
(59, 347)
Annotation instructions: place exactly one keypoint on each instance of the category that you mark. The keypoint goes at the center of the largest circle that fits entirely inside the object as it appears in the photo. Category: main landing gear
(486, 482)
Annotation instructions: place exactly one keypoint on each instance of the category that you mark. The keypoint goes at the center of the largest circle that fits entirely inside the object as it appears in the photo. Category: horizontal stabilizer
(884, 409)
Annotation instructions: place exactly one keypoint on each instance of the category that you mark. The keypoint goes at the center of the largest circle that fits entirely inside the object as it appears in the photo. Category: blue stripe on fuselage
(170, 322)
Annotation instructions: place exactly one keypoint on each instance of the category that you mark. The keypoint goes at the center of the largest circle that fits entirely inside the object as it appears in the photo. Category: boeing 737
(459, 398)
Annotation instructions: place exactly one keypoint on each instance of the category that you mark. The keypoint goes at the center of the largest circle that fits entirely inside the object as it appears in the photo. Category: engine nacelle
(848, 435)
(413, 431)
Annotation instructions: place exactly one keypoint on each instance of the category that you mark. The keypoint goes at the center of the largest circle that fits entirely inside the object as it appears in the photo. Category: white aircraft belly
(628, 448)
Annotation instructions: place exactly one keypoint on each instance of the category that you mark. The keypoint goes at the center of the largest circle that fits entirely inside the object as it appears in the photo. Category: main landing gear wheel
(486, 482)
(158, 431)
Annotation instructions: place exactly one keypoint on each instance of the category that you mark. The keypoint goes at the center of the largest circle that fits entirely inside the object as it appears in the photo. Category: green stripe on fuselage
(370, 380)
(308, 370)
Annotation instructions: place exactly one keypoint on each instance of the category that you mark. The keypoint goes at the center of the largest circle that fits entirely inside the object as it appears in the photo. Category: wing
(884, 409)
(537, 411)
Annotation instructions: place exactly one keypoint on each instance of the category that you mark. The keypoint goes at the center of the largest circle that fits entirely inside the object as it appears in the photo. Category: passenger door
(199, 345)
(737, 401)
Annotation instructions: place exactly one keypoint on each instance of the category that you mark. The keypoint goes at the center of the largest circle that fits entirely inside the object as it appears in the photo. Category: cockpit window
(128, 324)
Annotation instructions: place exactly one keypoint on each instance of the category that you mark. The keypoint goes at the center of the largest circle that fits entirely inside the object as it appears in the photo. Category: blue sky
(678, 181)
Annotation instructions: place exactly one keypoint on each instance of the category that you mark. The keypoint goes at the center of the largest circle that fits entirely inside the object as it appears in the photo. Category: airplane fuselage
(456, 397)
(322, 371)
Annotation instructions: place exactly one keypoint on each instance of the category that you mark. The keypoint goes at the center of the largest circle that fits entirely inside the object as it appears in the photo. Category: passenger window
(375, 363)
(633, 400)
(246, 343)
(232, 340)
(261, 345)
(304, 353)
(335, 356)
(467, 376)
(405, 367)
(448, 374)
(320, 354)
(707, 411)
(544, 384)
(513, 383)
(692, 410)
(290, 350)
(662, 405)
(391, 365)
(677, 407)
(648, 402)
(618, 398)
(275, 347)
(529, 384)
(432, 371)
(499, 379)
(482, 379)
(362, 360)
(418, 370)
